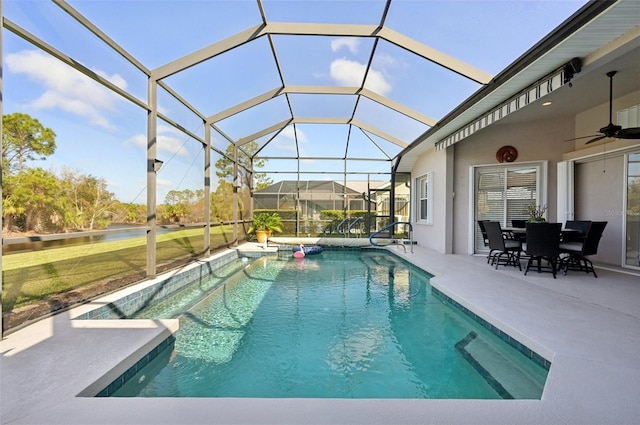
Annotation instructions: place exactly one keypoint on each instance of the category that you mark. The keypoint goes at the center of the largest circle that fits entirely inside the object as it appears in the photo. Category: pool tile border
(128, 305)
(117, 383)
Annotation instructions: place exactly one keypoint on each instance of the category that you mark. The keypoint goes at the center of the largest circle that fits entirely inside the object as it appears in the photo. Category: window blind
(501, 194)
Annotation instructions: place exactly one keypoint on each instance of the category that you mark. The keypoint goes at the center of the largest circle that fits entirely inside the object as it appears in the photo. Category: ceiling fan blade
(580, 138)
(628, 133)
(595, 139)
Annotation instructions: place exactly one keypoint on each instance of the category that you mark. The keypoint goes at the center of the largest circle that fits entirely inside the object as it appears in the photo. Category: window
(502, 193)
(424, 204)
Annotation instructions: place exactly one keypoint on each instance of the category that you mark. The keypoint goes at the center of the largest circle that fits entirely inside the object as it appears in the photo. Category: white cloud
(286, 140)
(351, 43)
(168, 141)
(377, 82)
(289, 133)
(171, 145)
(351, 73)
(139, 140)
(164, 183)
(347, 72)
(66, 88)
(387, 63)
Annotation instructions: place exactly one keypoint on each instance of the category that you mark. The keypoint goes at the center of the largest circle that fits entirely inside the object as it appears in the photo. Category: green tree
(136, 213)
(89, 198)
(24, 139)
(222, 202)
(34, 200)
(128, 213)
(179, 205)
(224, 190)
(224, 166)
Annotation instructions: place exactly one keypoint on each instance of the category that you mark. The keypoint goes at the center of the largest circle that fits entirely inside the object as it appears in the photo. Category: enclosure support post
(1, 172)
(207, 189)
(298, 199)
(236, 186)
(152, 151)
(392, 200)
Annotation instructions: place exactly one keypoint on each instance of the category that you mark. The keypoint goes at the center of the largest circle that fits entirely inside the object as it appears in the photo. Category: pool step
(508, 376)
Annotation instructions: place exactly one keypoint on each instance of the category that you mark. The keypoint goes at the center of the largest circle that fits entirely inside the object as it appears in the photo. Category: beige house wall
(591, 120)
(434, 235)
(539, 141)
(599, 178)
(599, 197)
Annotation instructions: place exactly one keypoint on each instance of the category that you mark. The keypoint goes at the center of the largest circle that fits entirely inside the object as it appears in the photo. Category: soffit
(610, 39)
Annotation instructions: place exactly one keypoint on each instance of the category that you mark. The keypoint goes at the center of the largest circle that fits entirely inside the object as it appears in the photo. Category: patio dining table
(520, 233)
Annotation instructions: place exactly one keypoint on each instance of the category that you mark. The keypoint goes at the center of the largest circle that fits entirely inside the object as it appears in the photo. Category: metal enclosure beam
(152, 152)
(207, 190)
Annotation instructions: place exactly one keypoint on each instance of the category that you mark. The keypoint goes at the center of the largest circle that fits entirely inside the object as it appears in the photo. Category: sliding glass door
(632, 216)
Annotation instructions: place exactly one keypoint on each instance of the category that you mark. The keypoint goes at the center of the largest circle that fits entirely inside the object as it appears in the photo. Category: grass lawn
(32, 277)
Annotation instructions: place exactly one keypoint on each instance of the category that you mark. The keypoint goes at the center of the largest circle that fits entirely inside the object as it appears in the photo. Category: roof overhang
(599, 29)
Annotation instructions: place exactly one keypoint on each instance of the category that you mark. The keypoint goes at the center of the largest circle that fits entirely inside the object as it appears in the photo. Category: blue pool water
(341, 324)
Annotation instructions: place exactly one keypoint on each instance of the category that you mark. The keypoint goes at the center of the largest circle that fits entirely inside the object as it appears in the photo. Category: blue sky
(102, 134)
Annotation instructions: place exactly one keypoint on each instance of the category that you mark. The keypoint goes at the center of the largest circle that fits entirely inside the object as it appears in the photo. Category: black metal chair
(543, 243)
(499, 246)
(577, 251)
(485, 238)
(520, 224)
(582, 227)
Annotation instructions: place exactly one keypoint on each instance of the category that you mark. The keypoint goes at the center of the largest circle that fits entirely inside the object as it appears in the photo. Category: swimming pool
(342, 324)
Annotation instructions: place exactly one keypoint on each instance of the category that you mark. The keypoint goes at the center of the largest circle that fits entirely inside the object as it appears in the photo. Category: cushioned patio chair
(503, 251)
(577, 251)
(543, 243)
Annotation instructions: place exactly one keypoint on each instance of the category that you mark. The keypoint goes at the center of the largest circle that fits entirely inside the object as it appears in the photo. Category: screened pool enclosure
(214, 120)
(182, 118)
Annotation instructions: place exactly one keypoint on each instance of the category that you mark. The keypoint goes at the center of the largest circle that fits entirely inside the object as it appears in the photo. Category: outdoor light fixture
(157, 164)
(546, 103)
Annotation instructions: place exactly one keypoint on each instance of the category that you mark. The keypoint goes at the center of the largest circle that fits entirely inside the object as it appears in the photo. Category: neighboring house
(505, 147)
(313, 196)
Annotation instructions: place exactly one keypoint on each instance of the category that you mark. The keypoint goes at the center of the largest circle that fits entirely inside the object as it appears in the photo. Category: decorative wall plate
(507, 154)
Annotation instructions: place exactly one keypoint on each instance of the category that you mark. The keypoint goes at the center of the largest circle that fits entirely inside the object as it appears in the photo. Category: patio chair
(576, 252)
(485, 238)
(499, 246)
(520, 224)
(581, 225)
(543, 243)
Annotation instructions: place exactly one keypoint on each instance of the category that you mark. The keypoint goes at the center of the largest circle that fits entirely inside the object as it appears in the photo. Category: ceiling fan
(611, 130)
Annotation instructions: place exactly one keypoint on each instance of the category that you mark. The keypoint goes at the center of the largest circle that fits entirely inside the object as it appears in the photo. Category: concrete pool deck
(589, 328)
